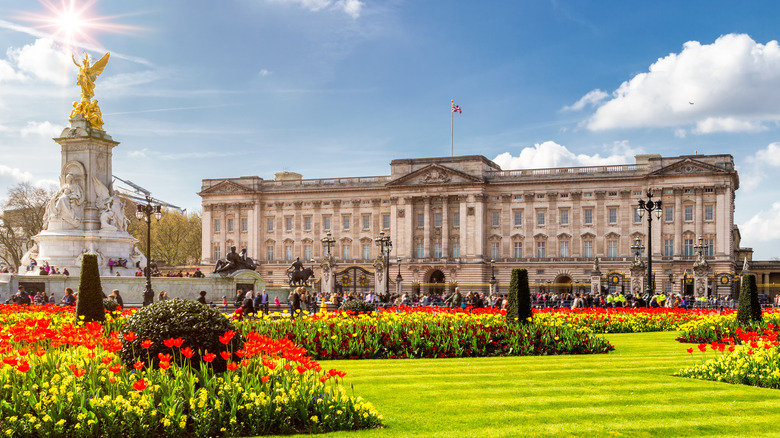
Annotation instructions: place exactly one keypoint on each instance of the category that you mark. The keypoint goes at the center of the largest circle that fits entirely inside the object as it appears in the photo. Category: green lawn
(628, 392)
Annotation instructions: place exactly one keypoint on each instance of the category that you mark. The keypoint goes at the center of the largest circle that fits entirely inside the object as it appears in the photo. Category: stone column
(408, 213)
(427, 226)
(678, 222)
(206, 250)
(698, 213)
(479, 226)
(595, 278)
(445, 227)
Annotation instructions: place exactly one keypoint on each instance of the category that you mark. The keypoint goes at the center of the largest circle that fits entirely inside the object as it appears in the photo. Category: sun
(72, 22)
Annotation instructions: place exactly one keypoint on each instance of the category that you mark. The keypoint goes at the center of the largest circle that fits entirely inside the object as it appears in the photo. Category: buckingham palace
(465, 221)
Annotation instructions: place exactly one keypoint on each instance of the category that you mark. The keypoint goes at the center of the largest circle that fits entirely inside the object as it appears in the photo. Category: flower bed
(619, 320)
(426, 333)
(749, 358)
(715, 327)
(61, 379)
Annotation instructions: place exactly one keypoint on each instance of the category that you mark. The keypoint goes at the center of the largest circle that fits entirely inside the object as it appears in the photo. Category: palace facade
(449, 217)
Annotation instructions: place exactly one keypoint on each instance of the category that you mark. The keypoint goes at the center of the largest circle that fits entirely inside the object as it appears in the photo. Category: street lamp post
(650, 207)
(145, 212)
(700, 247)
(398, 278)
(385, 246)
(328, 242)
(492, 276)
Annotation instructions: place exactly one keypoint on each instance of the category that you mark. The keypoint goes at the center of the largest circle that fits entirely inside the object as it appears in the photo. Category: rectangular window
(709, 213)
(688, 213)
(456, 219)
(437, 250)
(244, 225)
(385, 221)
(540, 250)
(668, 247)
(420, 251)
(326, 223)
(518, 218)
(688, 247)
(564, 249)
(307, 252)
(587, 248)
(456, 250)
(288, 223)
(437, 220)
(420, 220)
(366, 221)
(217, 253)
(269, 253)
(612, 248)
(288, 252)
(216, 226)
(307, 223)
(669, 213)
(564, 216)
(345, 222)
(494, 218)
(612, 215)
(540, 218)
(637, 217)
(587, 217)
(269, 224)
(494, 250)
(230, 225)
(518, 250)
(709, 251)
(366, 251)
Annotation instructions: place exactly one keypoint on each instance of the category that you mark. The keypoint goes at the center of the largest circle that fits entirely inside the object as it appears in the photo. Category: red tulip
(173, 342)
(140, 385)
(130, 337)
(188, 352)
(147, 343)
(232, 366)
(78, 372)
(164, 357)
(225, 355)
(115, 368)
(209, 357)
(264, 379)
(227, 337)
(24, 366)
(165, 365)
(138, 365)
(690, 350)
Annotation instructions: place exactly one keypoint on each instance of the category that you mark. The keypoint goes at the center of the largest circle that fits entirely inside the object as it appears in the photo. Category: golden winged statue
(86, 79)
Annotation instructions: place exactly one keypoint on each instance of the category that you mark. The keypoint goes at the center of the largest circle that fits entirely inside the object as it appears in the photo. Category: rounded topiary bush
(110, 305)
(199, 326)
(358, 307)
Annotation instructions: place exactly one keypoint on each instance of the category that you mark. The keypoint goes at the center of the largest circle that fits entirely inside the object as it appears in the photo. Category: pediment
(688, 166)
(435, 174)
(225, 187)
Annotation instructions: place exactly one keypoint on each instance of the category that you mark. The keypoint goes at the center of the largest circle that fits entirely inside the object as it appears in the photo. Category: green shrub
(110, 305)
(749, 307)
(200, 327)
(90, 300)
(358, 306)
(519, 298)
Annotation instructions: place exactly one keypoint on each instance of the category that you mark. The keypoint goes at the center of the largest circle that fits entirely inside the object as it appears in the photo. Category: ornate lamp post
(398, 278)
(145, 212)
(649, 206)
(492, 276)
(327, 243)
(637, 247)
(385, 246)
(700, 247)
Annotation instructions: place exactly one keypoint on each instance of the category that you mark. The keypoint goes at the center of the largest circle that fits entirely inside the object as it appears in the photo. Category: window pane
(288, 224)
(564, 249)
(244, 224)
(346, 222)
(269, 253)
(386, 221)
(307, 223)
(564, 217)
(518, 218)
(708, 212)
(366, 222)
(217, 253)
(587, 250)
(613, 215)
(437, 250)
(612, 248)
(456, 219)
(494, 250)
(230, 225)
(588, 216)
(456, 250)
(540, 250)
(668, 247)
(326, 223)
(495, 217)
(688, 213)
(420, 251)
(288, 252)
(345, 252)
(269, 224)
(420, 220)
(216, 226)
(307, 252)
(366, 252)
(437, 220)
(539, 218)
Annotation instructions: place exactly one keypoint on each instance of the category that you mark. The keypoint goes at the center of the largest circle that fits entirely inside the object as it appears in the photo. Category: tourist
(52, 301)
(111, 265)
(197, 273)
(224, 301)
(162, 296)
(202, 298)
(248, 303)
(294, 300)
(68, 299)
(261, 302)
(22, 297)
(239, 298)
(65, 272)
(118, 298)
(277, 303)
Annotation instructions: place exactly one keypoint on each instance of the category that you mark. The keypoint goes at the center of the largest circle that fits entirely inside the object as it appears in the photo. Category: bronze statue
(297, 274)
(86, 79)
(234, 261)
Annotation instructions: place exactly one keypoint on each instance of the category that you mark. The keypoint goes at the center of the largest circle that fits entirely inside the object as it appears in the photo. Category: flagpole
(452, 128)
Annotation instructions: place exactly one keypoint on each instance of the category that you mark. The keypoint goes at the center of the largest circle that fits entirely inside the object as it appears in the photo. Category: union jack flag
(455, 108)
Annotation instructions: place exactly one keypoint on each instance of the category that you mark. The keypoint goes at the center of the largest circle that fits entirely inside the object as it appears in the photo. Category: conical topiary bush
(749, 307)
(519, 299)
(90, 300)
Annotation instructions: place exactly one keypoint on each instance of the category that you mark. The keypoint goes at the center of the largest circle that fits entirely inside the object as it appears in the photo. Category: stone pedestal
(85, 216)
(380, 277)
(328, 275)
(638, 274)
(595, 279)
(701, 270)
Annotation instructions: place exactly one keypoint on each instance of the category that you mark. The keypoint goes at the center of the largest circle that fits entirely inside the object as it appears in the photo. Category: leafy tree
(176, 237)
(22, 218)
(749, 307)
(90, 301)
(519, 298)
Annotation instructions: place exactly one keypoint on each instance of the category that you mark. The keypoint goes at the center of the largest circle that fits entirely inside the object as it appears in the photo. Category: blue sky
(204, 89)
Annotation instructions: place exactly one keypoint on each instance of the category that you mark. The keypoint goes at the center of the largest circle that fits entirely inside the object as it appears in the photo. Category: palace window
(709, 212)
(326, 223)
(307, 252)
(688, 213)
(437, 250)
(612, 215)
(587, 248)
(518, 250)
(456, 250)
(709, 251)
(230, 225)
(420, 251)
(288, 252)
(612, 248)
(269, 253)
(307, 223)
(385, 221)
(346, 251)
(564, 217)
(494, 250)
(456, 219)
(540, 218)
(688, 247)
(437, 220)
(669, 213)
(420, 220)
(288, 223)
(637, 217)
(495, 217)
(366, 251)
(540, 249)
(217, 252)
(519, 218)
(345, 221)
(564, 248)
(216, 226)
(269, 224)
(587, 217)
(366, 221)
(244, 225)
(668, 247)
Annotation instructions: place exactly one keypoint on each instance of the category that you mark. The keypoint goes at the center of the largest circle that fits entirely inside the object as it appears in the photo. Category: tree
(749, 307)
(90, 301)
(519, 299)
(176, 237)
(24, 214)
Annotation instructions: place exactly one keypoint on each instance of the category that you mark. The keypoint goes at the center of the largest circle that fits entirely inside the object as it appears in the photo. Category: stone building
(448, 217)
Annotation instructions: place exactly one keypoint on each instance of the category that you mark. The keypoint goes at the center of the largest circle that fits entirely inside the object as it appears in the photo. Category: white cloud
(731, 85)
(138, 153)
(44, 61)
(350, 7)
(264, 72)
(592, 98)
(44, 129)
(755, 167)
(551, 154)
(770, 155)
(16, 174)
(765, 225)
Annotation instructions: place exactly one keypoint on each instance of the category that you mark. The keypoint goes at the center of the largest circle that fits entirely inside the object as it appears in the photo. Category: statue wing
(74, 60)
(100, 65)
(100, 191)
